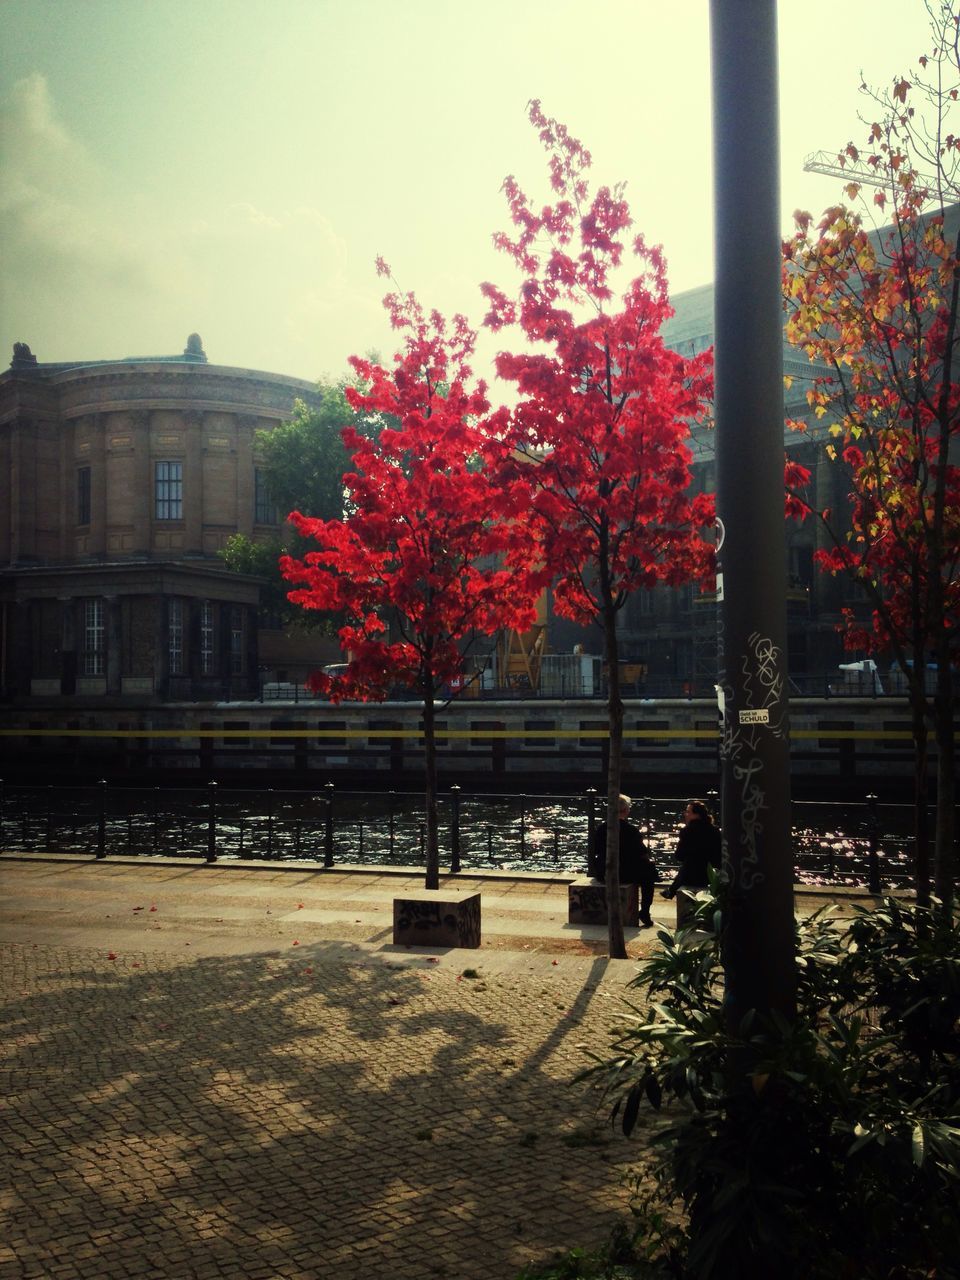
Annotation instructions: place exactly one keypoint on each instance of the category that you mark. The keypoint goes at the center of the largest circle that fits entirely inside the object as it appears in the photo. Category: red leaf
(431, 540)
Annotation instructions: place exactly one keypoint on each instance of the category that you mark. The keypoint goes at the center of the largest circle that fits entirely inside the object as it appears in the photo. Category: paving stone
(225, 1114)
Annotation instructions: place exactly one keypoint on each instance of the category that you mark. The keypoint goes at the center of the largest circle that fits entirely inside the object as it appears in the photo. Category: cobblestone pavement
(213, 1096)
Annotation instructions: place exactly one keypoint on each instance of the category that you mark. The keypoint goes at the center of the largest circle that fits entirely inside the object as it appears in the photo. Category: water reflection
(496, 832)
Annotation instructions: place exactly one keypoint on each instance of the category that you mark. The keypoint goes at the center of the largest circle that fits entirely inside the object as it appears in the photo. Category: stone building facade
(120, 481)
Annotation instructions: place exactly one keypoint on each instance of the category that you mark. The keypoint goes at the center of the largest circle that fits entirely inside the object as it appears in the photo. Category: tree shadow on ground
(298, 1117)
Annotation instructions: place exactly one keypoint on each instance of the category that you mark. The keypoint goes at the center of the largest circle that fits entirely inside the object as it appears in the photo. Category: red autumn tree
(878, 310)
(599, 436)
(419, 565)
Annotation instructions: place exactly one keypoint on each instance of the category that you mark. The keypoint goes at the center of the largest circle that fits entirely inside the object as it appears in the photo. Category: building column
(246, 426)
(142, 481)
(67, 467)
(193, 482)
(97, 545)
(23, 486)
(252, 649)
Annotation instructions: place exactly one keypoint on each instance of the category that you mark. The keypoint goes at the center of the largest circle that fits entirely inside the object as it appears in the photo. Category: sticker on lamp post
(759, 715)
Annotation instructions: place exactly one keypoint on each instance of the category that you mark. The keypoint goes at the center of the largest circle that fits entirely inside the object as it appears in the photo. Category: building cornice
(112, 387)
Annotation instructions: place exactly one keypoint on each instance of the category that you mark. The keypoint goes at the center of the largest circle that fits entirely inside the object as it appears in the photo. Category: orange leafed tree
(877, 311)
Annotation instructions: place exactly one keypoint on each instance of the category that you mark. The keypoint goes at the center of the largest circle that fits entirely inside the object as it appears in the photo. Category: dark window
(168, 490)
(175, 635)
(236, 641)
(264, 508)
(800, 570)
(271, 619)
(94, 638)
(83, 495)
(207, 658)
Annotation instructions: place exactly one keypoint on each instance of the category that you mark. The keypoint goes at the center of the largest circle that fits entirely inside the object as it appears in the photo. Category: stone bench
(433, 918)
(587, 903)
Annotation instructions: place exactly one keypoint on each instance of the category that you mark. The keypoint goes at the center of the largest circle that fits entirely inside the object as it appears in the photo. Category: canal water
(831, 841)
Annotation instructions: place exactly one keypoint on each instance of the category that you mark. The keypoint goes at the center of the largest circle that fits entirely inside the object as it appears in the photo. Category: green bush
(825, 1147)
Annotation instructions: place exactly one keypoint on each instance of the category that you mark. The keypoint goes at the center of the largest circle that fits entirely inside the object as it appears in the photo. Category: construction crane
(853, 170)
(519, 652)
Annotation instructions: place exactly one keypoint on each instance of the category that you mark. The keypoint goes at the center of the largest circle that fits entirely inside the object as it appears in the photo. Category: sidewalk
(231, 1072)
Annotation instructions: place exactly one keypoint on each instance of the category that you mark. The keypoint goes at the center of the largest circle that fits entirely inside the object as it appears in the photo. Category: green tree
(303, 462)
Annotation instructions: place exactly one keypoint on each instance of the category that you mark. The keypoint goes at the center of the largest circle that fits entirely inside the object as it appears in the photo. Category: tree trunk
(616, 944)
(943, 727)
(432, 880)
(921, 786)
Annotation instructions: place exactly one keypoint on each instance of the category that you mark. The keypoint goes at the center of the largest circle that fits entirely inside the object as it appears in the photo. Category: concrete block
(587, 903)
(431, 918)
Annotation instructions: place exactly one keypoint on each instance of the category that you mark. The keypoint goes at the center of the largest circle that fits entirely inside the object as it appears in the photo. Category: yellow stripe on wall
(481, 735)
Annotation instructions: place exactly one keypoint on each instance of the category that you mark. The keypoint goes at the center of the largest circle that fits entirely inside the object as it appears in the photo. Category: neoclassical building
(120, 481)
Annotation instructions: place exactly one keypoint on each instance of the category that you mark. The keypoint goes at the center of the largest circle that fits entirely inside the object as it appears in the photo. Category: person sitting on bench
(636, 864)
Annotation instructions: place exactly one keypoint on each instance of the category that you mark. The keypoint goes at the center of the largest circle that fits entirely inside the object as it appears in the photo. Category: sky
(234, 167)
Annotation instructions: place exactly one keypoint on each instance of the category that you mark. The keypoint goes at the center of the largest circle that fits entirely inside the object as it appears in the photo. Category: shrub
(823, 1147)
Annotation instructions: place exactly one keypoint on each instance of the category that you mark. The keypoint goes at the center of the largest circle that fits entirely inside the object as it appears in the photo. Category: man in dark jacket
(636, 864)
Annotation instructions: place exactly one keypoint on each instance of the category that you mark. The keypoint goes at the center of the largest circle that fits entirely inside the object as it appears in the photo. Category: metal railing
(865, 843)
(834, 684)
